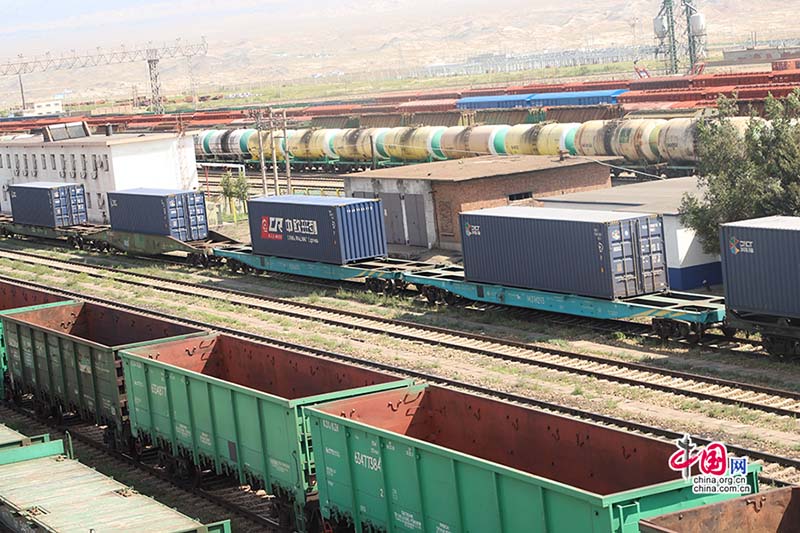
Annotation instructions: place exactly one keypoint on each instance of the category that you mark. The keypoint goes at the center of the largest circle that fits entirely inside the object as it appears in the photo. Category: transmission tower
(151, 54)
(681, 39)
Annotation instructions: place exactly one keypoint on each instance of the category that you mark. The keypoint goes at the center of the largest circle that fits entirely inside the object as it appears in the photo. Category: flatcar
(672, 314)
(101, 238)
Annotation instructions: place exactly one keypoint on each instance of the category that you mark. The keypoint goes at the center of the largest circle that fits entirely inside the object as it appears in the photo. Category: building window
(44, 162)
(94, 162)
(1, 161)
(25, 161)
(89, 200)
(35, 162)
(16, 161)
(519, 196)
(63, 163)
(83, 162)
(105, 162)
(53, 161)
(100, 202)
(72, 160)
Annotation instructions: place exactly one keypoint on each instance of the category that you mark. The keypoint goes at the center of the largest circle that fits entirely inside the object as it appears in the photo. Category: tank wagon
(43, 488)
(66, 356)
(647, 145)
(237, 407)
(428, 458)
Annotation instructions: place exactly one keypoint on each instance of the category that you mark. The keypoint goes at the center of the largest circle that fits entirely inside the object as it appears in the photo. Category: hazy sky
(35, 26)
(31, 27)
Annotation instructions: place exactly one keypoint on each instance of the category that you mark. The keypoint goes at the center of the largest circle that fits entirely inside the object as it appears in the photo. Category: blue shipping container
(50, 204)
(179, 214)
(760, 260)
(504, 101)
(575, 98)
(317, 228)
(602, 254)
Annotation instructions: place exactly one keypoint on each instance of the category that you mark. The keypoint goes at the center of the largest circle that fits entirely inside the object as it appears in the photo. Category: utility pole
(681, 40)
(156, 103)
(258, 116)
(274, 153)
(289, 189)
(665, 32)
(22, 93)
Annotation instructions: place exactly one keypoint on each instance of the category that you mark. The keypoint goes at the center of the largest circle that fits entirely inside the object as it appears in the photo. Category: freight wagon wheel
(729, 332)
(434, 295)
(396, 286)
(185, 470)
(376, 285)
(782, 347)
(233, 265)
(451, 299)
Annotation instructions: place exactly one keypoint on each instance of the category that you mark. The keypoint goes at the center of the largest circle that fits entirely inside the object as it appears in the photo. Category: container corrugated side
(331, 232)
(434, 459)
(180, 214)
(615, 255)
(49, 205)
(760, 266)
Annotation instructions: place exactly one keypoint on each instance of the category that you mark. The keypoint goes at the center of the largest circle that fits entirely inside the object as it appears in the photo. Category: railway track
(705, 388)
(777, 470)
(212, 500)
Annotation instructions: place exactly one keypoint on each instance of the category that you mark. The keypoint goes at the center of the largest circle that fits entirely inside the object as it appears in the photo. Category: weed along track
(764, 399)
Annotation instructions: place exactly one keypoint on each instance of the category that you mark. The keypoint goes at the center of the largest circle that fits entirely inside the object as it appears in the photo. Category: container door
(393, 215)
(623, 259)
(175, 218)
(651, 255)
(415, 216)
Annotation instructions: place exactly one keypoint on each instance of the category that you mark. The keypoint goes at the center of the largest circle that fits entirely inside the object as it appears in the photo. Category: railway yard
(552, 305)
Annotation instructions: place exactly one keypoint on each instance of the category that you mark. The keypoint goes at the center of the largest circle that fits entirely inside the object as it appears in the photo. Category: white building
(101, 163)
(689, 266)
(40, 109)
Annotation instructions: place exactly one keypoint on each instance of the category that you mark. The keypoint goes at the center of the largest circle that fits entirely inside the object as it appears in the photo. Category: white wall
(683, 247)
(162, 163)
(165, 164)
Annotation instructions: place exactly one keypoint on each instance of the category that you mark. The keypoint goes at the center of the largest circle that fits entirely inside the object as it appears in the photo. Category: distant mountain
(303, 39)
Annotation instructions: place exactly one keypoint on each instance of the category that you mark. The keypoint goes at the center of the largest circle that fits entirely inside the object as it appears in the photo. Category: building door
(415, 218)
(393, 216)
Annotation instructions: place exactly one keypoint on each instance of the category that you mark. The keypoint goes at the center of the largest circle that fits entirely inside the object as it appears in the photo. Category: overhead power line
(150, 53)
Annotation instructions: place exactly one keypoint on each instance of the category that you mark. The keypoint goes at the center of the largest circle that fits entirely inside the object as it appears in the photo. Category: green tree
(241, 189)
(745, 176)
(228, 186)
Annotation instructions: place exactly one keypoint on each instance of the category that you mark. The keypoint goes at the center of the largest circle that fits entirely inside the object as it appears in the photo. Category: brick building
(422, 202)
